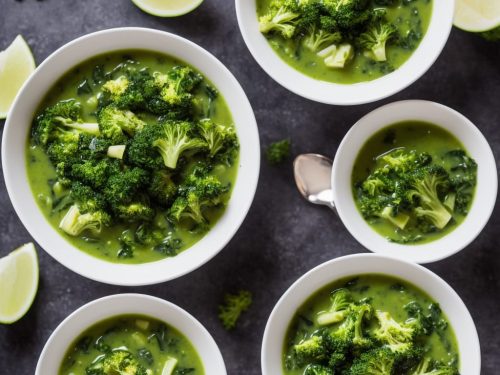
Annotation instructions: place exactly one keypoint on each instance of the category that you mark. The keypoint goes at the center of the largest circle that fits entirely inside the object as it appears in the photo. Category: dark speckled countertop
(283, 236)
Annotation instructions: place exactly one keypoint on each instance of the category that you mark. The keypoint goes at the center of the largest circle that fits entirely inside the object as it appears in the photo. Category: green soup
(417, 137)
(143, 343)
(109, 244)
(383, 293)
(411, 18)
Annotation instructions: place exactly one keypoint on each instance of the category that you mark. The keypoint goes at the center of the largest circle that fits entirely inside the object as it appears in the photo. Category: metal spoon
(313, 178)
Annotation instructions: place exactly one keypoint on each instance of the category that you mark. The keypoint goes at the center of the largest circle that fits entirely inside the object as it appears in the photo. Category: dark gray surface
(283, 236)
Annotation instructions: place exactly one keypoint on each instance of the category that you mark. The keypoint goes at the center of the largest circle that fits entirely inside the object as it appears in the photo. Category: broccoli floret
(426, 367)
(425, 191)
(196, 194)
(116, 87)
(311, 349)
(217, 137)
(178, 84)
(234, 305)
(135, 212)
(397, 336)
(375, 39)
(278, 152)
(61, 122)
(162, 188)
(317, 370)
(140, 151)
(361, 313)
(282, 20)
(120, 188)
(113, 123)
(74, 222)
(92, 173)
(117, 362)
(337, 56)
(373, 362)
(176, 139)
(318, 38)
(348, 14)
(340, 306)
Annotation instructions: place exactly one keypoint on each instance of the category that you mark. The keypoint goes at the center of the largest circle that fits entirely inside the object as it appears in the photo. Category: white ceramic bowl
(17, 130)
(331, 93)
(352, 265)
(448, 119)
(125, 304)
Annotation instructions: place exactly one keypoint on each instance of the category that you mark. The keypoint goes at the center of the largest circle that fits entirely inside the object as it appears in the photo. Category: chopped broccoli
(114, 122)
(375, 39)
(116, 151)
(116, 87)
(217, 137)
(341, 303)
(278, 152)
(196, 194)
(117, 362)
(61, 122)
(348, 14)
(318, 38)
(397, 336)
(311, 349)
(426, 367)
(318, 370)
(425, 191)
(175, 140)
(373, 362)
(233, 306)
(282, 20)
(337, 56)
(74, 222)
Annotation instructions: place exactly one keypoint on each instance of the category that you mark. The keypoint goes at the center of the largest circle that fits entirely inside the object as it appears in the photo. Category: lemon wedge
(16, 65)
(167, 8)
(18, 283)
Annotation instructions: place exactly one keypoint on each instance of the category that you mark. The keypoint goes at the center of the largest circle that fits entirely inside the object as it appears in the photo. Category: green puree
(407, 15)
(384, 293)
(41, 172)
(150, 343)
(408, 136)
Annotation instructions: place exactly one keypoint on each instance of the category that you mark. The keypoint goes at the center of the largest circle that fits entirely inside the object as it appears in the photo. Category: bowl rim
(24, 201)
(446, 118)
(330, 271)
(415, 67)
(115, 305)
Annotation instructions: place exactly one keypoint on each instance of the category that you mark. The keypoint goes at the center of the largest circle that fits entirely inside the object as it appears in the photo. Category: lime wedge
(16, 65)
(18, 283)
(167, 8)
(477, 16)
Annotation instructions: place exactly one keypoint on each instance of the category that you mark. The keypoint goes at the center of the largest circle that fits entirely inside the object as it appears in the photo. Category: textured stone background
(283, 236)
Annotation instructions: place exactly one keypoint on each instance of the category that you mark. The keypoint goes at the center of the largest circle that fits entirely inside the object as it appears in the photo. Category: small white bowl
(128, 304)
(352, 265)
(455, 123)
(332, 93)
(17, 130)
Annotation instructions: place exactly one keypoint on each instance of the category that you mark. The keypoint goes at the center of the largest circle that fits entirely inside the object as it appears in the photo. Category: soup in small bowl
(370, 314)
(130, 332)
(414, 180)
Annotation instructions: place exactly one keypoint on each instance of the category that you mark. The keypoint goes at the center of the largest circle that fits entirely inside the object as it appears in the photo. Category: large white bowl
(352, 265)
(17, 130)
(332, 93)
(126, 304)
(464, 130)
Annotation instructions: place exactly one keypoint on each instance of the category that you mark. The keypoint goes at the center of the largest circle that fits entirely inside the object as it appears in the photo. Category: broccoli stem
(400, 220)
(169, 366)
(86, 127)
(116, 152)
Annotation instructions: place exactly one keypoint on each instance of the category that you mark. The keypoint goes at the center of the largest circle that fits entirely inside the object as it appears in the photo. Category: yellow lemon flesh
(477, 15)
(18, 283)
(16, 65)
